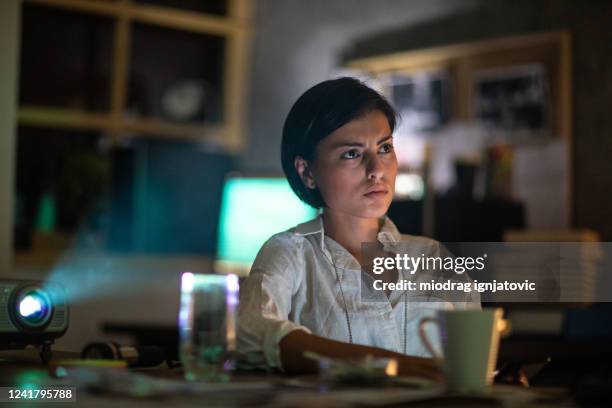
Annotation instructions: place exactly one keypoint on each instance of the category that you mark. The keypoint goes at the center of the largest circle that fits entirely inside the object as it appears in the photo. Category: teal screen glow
(254, 209)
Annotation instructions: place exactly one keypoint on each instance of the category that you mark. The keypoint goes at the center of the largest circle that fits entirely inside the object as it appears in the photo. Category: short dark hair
(321, 110)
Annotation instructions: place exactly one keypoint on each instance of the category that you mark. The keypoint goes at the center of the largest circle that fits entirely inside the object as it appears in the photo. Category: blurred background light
(409, 186)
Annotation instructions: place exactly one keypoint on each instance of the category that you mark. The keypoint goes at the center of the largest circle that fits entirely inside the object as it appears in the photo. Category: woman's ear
(304, 169)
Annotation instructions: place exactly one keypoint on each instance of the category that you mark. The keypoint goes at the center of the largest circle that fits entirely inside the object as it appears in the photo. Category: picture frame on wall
(421, 99)
(513, 102)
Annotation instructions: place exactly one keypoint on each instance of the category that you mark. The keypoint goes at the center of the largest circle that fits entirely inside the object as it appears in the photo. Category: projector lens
(34, 308)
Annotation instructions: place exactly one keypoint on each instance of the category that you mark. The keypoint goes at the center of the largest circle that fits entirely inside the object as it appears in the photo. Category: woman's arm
(293, 345)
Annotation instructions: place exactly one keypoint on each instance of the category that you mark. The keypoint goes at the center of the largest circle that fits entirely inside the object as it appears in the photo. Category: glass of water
(207, 325)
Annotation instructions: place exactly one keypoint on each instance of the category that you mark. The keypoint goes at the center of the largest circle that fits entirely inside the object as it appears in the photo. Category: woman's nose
(374, 169)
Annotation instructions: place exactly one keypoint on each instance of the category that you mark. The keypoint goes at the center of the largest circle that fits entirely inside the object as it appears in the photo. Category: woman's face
(355, 167)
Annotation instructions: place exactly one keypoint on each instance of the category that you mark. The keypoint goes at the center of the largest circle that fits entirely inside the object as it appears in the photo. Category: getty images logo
(428, 263)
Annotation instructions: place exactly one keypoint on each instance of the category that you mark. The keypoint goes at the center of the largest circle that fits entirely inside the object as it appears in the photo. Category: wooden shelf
(443, 56)
(73, 119)
(62, 118)
(163, 16)
(161, 128)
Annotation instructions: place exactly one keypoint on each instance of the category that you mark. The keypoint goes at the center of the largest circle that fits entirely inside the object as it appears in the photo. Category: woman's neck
(350, 231)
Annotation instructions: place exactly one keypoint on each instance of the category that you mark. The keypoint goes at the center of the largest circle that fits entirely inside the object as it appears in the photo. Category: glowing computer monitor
(252, 210)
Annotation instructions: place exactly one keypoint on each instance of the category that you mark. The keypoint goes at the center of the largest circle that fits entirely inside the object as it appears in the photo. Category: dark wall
(300, 43)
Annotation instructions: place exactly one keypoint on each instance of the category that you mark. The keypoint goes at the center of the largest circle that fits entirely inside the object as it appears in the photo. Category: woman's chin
(375, 210)
(362, 209)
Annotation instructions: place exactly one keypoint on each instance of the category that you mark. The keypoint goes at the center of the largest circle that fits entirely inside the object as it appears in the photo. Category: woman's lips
(376, 194)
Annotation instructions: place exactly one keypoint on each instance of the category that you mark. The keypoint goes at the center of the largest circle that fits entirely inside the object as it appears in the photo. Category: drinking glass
(207, 325)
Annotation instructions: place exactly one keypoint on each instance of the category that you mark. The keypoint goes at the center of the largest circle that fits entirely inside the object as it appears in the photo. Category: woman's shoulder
(294, 236)
(422, 244)
(390, 233)
(418, 239)
(286, 246)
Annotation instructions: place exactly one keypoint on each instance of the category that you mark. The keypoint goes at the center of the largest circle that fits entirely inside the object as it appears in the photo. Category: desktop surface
(249, 389)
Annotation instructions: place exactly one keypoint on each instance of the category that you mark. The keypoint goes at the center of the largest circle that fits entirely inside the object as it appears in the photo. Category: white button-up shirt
(293, 285)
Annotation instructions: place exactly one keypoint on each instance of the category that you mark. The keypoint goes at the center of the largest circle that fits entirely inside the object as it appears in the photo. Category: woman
(304, 289)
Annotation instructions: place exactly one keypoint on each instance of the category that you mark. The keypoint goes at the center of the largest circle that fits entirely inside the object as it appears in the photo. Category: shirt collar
(388, 232)
(314, 226)
(388, 236)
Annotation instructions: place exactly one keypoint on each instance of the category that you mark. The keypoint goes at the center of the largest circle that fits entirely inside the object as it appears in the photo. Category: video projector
(32, 313)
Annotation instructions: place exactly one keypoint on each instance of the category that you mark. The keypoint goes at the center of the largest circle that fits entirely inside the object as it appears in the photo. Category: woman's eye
(350, 154)
(386, 148)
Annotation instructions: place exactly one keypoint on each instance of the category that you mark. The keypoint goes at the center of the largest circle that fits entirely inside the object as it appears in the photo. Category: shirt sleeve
(266, 303)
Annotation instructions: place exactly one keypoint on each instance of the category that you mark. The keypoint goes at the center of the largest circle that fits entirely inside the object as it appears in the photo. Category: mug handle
(424, 338)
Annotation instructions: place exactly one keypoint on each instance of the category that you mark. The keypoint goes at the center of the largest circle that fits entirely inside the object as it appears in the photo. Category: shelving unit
(234, 31)
(95, 76)
(462, 65)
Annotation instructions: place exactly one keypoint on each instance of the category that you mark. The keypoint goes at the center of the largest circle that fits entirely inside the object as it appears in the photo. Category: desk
(247, 390)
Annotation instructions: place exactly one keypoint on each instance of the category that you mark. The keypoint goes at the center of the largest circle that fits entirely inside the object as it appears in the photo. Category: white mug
(470, 342)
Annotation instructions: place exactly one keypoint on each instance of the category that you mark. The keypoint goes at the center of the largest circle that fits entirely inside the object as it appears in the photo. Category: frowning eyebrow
(358, 144)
